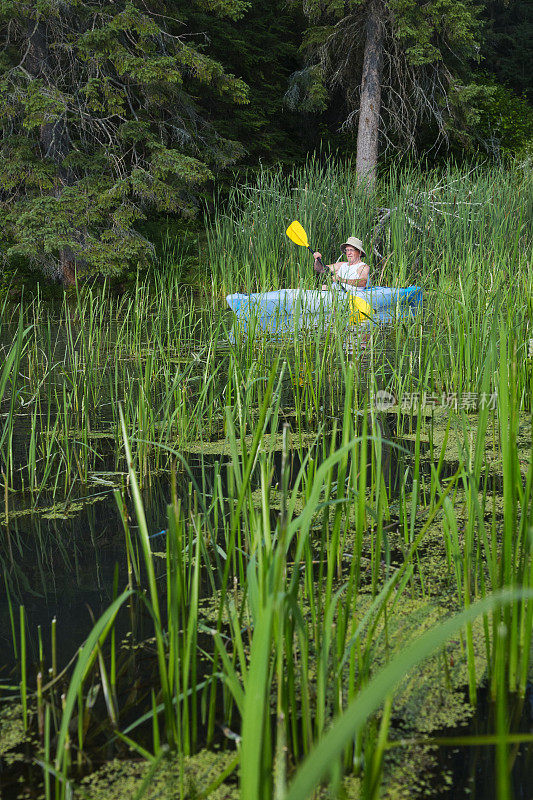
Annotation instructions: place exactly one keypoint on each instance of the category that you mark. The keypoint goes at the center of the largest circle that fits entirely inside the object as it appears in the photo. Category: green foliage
(307, 90)
(234, 9)
(507, 47)
(100, 125)
(262, 48)
(425, 29)
(493, 118)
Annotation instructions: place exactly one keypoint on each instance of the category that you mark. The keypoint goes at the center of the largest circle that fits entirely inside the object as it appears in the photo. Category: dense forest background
(121, 120)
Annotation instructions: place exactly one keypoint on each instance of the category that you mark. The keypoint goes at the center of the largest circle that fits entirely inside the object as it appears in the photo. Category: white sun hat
(353, 242)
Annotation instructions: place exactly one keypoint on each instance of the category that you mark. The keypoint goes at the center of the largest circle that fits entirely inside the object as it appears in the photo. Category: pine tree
(99, 123)
(397, 62)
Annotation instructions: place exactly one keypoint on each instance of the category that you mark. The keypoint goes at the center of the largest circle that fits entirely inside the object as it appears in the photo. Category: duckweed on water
(272, 442)
(12, 734)
(176, 779)
(69, 509)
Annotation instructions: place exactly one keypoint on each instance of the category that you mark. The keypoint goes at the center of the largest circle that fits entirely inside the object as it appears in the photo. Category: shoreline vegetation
(303, 592)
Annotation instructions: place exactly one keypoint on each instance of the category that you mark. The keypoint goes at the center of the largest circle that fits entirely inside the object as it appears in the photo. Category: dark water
(473, 768)
(64, 568)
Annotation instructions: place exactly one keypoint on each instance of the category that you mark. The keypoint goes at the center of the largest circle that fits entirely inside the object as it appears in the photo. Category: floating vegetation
(174, 777)
(12, 733)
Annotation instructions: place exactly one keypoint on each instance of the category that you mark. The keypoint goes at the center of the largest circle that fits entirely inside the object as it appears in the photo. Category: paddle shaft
(322, 264)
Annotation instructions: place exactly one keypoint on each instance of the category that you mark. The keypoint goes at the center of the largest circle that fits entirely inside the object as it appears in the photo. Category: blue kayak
(287, 309)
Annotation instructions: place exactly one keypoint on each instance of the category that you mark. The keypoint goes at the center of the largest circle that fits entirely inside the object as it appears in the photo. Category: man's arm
(360, 281)
(333, 268)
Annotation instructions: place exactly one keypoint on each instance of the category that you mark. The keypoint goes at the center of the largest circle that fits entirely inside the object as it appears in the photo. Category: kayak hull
(287, 309)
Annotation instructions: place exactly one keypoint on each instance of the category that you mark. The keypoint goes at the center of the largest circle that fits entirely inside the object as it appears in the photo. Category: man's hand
(319, 266)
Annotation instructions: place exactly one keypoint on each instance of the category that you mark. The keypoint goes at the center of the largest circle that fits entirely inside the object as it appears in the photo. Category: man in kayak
(353, 273)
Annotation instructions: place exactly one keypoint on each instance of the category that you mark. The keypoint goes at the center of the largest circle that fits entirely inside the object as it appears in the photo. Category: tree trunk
(369, 111)
(53, 137)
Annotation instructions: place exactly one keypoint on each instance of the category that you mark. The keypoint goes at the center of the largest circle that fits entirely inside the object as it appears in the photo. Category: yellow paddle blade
(360, 310)
(296, 234)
